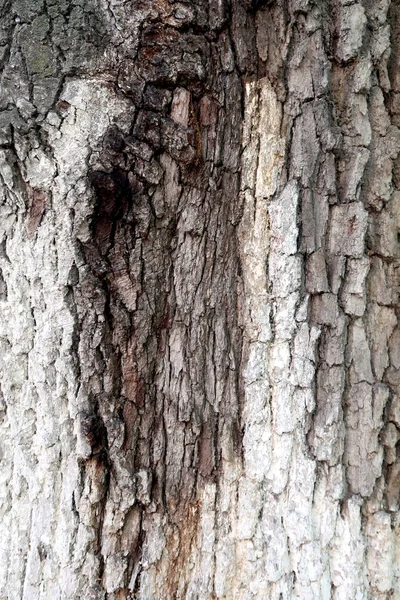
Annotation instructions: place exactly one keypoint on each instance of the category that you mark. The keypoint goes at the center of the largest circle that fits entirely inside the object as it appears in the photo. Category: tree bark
(199, 340)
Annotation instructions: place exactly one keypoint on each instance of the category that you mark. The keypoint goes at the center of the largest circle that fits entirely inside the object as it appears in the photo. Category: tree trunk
(199, 344)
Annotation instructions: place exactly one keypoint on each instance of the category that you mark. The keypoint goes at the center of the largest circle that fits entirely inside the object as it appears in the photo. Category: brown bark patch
(130, 415)
(180, 543)
(208, 111)
(206, 451)
(37, 206)
(122, 594)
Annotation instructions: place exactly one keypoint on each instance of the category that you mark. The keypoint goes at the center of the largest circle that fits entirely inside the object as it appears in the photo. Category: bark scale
(199, 345)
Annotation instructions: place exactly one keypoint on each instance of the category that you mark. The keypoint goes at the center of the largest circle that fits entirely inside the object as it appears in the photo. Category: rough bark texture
(199, 340)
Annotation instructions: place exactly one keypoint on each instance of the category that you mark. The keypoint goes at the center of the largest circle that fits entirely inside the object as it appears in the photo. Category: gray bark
(199, 340)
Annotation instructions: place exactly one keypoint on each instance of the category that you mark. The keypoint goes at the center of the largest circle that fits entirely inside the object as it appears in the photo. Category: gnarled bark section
(199, 273)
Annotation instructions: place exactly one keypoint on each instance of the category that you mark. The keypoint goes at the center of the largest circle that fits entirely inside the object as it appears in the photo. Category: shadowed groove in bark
(162, 305)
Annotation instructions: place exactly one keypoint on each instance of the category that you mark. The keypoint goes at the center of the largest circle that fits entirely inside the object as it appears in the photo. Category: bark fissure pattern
(199, 341)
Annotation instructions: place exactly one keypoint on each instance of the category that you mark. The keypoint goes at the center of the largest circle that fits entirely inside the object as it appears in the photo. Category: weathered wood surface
(199, 340)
